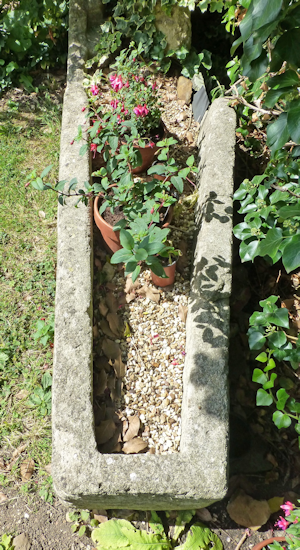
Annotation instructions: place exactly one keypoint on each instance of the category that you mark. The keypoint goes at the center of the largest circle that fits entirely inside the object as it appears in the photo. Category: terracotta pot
(169, 271)
(265, 543)
(148, 154)
(111, 237)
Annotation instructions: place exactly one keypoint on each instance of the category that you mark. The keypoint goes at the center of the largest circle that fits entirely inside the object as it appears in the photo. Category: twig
(240, 99)
(242, 540)
(284, 189)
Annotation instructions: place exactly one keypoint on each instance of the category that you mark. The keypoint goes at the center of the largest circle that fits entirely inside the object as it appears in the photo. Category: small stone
(21, 542)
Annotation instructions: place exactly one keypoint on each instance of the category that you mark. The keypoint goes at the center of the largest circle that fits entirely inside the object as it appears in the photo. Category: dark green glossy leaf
(177, 181)
(269, 246)
(272, 96)
(277, 339)
(291, 254)
(293, 118)
(287, 47)
(293, 406)
(277, 133)
(289, 211)
(249, 251)
(256, 339)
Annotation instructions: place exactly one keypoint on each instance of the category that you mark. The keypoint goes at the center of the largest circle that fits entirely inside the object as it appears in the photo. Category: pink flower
(83, 109)
(94, 149)
(136, 78)
(287, 507)
(71, 142)
(27, 185)
(126, 112)
(174, 362)
(154, 86)
(116, 82)
(140, 110)
(127, 84)
(282, 523)
(94, 89)
(151, 144)
(114, 103)
(152, 210)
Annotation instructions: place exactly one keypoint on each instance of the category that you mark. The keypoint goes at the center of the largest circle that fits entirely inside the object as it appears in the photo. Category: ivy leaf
(289, 211)
(202, 537)
(293, 116)
(249, 251)
(293, 406)
(287, 48)
(263, 399)
(282, 397)
(259, 376)
(281, 420)
(270, 383)
(256, 338)
(291, 254)
(278, 133)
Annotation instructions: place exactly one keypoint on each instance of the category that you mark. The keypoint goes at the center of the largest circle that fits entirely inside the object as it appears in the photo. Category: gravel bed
(152, 344)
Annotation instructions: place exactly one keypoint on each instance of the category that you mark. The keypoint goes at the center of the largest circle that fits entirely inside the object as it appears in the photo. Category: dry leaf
(111, 349)
(103, 308)
(48, 468)
(27, 469)
(105, 431)
(22, 394)
(152, 293)
(133, 428)
(100, 518)
(111, 302)
(42, 214)
(98, 264)
(111, 286)
(102, 363)
(275, 503)
(204, 514)
(106, 329)
(3, 497)
(131, 296)
(135, 445)
(119, 367)
(112, 445)
(247, 511)
(100, 382)
(130, 286)
(124, 427)
(19, 450)
(182, 312)
(114, 323)
(95, 331)
(109, 271)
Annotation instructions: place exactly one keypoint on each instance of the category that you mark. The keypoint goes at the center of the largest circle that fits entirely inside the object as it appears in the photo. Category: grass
(29, 139)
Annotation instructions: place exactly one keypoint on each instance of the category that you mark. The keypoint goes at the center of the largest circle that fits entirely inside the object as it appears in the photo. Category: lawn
(29, 139)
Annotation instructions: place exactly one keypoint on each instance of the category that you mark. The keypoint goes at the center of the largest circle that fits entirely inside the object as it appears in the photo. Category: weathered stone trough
(197, 475)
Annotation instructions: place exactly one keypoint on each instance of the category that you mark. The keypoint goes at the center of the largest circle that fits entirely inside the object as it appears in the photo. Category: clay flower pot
(265, 543)
(169, 280)
(111, 237)
(148, 154)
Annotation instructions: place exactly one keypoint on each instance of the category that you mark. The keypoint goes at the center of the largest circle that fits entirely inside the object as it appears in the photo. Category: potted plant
(133, 115)
(291, 526)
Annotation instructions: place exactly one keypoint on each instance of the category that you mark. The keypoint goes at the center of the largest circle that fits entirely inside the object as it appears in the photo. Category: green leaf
(177, 181)
(121, 256)
(259, 376)
(284, 80)
(293, 117)
(262, 357)
(281, 420)
(141, 254)
(249, 251)
(126, 239)
(291, 254)
(270, 365)
(278, 133)
(81, 531)
(46, 171)
(263, 399)
(256, 338)
(270, 384)
(293, 405)
(201, 537)
(282, 397)
(280, 317)
(269, 246)
(121, 534)
(113, 142)
(135, 273)
(287, 48)
(156, 524)
(289, 211)
(85, 515)
(184, 516)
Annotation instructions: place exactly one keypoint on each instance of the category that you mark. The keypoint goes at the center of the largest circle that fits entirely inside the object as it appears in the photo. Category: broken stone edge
(197, 475)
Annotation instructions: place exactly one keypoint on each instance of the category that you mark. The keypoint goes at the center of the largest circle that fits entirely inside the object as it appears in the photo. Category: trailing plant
(117, 533)
(291, 526)
(83, 521)
(45, 331)
(269, 330)
(40, 398)
(6, 542)
(33, 34)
